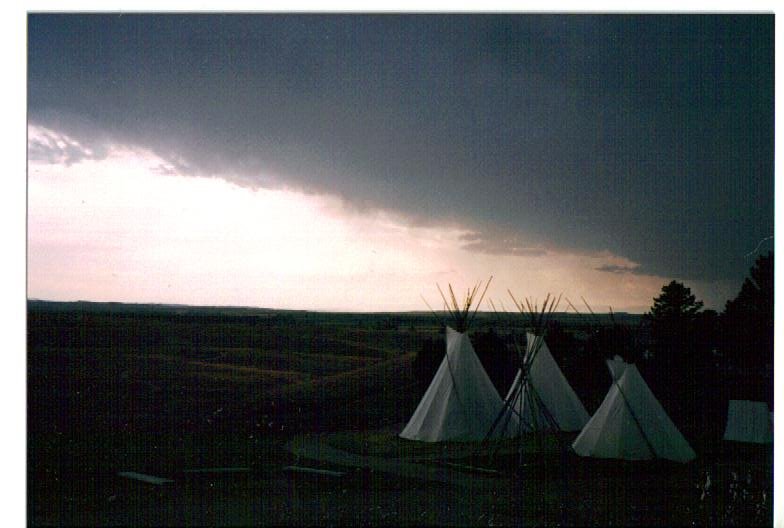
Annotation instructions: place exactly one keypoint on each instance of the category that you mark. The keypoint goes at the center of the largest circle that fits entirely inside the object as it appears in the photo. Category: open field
(160, 390)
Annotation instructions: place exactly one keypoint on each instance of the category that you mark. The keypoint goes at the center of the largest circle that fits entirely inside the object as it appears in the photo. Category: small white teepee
(461, 402)
(749, 421)
(550, 392)
(630, 423)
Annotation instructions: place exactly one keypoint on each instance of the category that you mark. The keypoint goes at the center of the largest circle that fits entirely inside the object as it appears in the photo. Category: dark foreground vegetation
(164, 390)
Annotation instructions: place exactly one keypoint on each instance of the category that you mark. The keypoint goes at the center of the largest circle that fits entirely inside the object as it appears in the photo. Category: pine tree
(672, 319)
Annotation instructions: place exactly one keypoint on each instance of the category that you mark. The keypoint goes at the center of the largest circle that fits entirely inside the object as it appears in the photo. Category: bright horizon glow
(126, 229)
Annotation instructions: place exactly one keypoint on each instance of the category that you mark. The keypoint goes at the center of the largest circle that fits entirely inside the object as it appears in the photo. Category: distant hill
(151, 309)
(89, 307)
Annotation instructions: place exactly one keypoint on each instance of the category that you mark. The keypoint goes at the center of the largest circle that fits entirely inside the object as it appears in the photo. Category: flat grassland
(163, 390)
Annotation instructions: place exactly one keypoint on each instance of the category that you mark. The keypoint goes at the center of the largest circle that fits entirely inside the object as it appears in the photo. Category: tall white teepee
(549, 392)
(631, 424)
(461, 402)
(749, 421)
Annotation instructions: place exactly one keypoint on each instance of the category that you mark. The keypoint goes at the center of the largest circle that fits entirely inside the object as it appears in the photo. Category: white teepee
(546, 392)
(631, 424)
(461, 402)
(749, 421)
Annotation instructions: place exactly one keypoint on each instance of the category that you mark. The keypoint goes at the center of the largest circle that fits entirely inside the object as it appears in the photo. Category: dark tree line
(739, 340)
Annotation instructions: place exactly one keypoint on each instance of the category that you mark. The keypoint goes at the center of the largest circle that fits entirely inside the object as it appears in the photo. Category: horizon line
(241, 307)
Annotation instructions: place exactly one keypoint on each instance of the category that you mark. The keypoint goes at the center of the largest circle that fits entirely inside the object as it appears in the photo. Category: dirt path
(313, 448)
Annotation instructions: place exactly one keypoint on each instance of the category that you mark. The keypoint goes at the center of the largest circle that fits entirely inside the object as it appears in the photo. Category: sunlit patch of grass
(354, 384)
(241, 374)
(318, 362)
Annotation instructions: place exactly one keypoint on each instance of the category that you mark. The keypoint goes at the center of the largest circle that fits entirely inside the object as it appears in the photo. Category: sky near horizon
(354, 162)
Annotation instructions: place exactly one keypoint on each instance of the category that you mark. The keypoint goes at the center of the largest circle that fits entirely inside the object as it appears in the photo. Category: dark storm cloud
(647, 136)
(495, 242)
(612, 268)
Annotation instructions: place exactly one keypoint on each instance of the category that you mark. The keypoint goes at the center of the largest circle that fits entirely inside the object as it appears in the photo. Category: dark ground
(160, 390)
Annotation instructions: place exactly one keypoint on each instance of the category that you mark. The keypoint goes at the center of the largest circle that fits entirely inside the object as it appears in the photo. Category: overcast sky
(351, 162)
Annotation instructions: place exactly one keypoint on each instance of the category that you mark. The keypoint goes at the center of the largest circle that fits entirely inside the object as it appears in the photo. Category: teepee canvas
(749, 421)
(461, 402)
(550, 393)
(631, 424)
